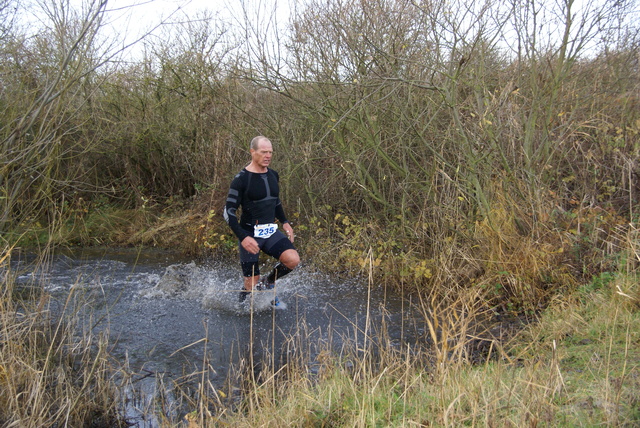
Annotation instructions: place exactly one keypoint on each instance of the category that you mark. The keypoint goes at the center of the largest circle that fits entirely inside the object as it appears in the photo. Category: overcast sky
(128, 20)
(140, 15)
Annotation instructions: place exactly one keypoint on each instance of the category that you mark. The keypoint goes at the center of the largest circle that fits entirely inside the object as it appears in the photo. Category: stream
(157, 307)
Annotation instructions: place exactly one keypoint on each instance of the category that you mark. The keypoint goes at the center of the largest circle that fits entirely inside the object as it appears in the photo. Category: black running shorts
(274, 246)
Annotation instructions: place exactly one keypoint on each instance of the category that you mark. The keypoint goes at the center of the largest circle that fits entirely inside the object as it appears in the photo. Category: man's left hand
(288, 230)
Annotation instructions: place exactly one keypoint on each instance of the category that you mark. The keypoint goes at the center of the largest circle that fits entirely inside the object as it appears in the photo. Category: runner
(255, 190)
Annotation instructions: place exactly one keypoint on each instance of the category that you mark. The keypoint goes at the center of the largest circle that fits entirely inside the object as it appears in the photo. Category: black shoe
(243, 296)
(266, 285)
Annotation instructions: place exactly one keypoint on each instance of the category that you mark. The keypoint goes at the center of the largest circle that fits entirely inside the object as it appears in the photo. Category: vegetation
(577, 366)
(480, 156)
(49, 374)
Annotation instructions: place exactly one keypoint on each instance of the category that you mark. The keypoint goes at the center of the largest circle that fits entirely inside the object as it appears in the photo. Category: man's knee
(290, 259)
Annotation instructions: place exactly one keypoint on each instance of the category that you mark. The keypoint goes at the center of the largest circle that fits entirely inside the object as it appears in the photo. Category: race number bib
(264, 230)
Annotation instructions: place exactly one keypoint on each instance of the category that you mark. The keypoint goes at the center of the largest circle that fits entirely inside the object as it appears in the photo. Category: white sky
(129, 20)
(138, 16)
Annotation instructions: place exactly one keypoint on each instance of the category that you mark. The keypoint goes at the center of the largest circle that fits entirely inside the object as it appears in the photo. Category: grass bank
(516, 258)
(579, 365)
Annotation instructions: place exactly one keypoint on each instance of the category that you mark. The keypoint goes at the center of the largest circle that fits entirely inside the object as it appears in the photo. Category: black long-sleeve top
(258, 195)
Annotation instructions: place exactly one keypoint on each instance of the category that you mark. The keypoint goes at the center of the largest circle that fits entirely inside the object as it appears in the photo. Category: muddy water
(158, 307)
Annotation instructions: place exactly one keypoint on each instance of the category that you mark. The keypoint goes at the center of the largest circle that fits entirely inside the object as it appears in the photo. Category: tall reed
(53, 372)
(575, 365)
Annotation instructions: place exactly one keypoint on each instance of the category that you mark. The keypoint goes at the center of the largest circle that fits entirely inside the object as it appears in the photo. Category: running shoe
(275, 302)
(264, 281)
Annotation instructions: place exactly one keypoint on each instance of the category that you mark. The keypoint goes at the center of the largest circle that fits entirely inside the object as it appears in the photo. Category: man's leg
(250, 272)
(250, 282)
(290, 258)
(288, 261)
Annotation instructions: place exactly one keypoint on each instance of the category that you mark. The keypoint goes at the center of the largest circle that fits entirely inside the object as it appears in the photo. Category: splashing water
(157, 307)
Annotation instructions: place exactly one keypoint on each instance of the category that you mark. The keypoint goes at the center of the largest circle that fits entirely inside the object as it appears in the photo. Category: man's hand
(288, 230)
(250, 245)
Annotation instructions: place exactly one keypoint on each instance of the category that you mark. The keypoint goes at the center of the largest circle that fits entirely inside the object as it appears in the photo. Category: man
(256, 190)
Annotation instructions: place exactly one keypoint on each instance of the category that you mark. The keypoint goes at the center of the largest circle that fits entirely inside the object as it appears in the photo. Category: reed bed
(576, 365)
(589, 378)
(53, 372)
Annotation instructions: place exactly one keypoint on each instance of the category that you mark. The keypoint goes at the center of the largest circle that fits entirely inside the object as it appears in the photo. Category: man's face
(262, 155)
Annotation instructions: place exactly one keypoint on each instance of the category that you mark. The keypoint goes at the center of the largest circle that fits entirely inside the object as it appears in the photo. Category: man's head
(261, 151)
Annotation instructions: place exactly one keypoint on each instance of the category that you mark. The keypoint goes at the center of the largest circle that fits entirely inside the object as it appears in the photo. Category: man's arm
(234, 199)
(283, 219)
(280, 213)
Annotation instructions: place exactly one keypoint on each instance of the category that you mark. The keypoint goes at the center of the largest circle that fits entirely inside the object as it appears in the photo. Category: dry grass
(576, 366)
(51, 373)
(539, 385)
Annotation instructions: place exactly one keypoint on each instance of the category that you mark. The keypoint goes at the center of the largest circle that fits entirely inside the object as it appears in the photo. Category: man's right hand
(250, 245)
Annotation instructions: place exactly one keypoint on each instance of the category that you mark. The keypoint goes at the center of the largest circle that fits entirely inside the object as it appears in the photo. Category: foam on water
(191, 281)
